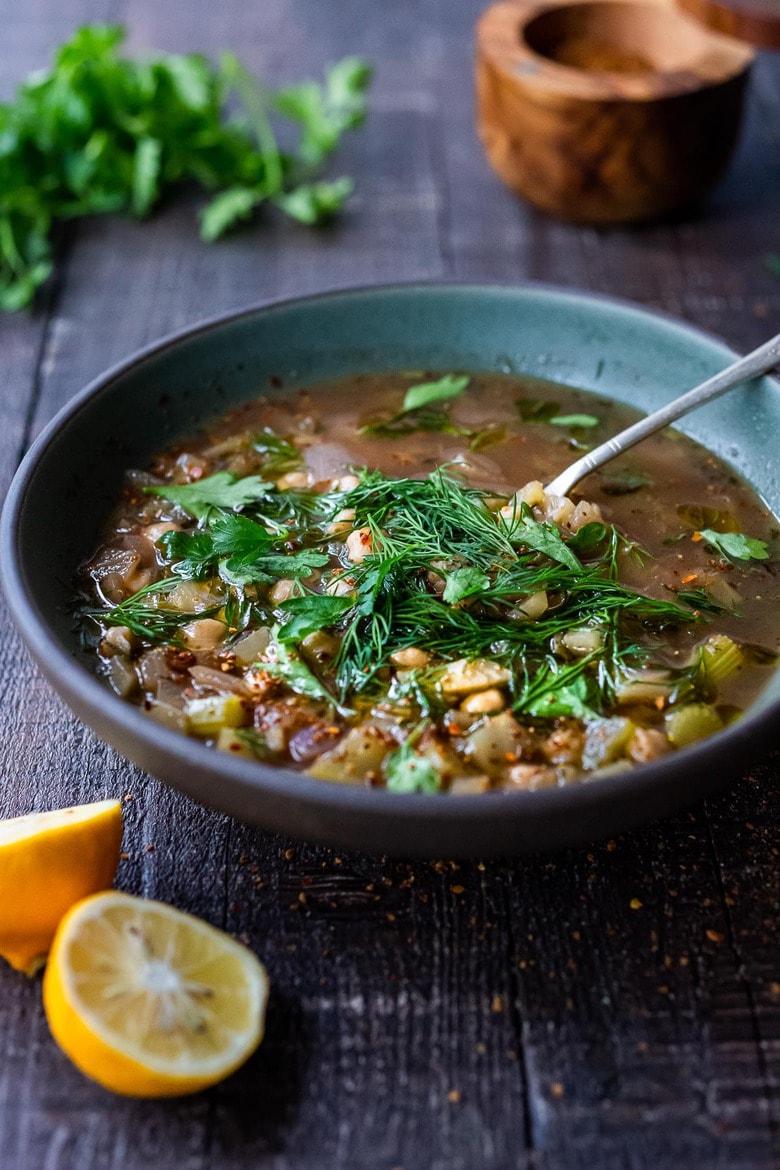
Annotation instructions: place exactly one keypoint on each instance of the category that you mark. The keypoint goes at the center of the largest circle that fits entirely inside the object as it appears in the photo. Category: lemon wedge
(149, 1001)
(49, 861)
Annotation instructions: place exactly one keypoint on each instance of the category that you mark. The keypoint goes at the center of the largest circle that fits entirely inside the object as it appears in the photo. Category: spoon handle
(743, 370)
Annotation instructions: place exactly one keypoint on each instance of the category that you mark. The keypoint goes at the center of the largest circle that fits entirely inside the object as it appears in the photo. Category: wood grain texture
(612, 113)
(616, 1006)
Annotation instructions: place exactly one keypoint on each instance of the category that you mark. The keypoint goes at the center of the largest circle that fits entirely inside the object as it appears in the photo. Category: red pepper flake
(690, 577)
(453, 1096)
(457, 889)
(149, 849)
(697, 536)
(497, 1004)
(714, 936)
(557, 1089)
(510, 757)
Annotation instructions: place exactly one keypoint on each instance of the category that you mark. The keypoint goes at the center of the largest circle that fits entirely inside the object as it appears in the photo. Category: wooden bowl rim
(501, 44)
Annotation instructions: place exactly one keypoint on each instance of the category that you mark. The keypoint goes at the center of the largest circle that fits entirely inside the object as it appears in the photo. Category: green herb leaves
(533, 410)
(463, 583)
(583, 421)
(419, 411)
(100, 133)
(734, 546)
(240, 549)
(221, 490)
(310, 614)
(425, 393)
(406, 771)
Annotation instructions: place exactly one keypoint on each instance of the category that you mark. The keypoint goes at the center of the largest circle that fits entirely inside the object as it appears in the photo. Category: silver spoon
(744, 370)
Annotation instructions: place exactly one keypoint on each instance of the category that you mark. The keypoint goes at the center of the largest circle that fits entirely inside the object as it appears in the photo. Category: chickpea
(412, 658)
(484, 702)
(359, 544)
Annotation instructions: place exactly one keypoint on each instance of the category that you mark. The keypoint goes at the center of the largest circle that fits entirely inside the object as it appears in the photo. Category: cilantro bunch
(101, 133)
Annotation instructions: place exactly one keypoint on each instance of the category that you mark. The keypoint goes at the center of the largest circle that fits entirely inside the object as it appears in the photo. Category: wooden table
(610, 1007)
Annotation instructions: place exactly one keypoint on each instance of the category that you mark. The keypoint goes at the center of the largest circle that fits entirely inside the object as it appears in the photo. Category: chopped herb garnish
(450, 386)
(532, 410)
(406, 771)
(734, 546)
(289, 666)
(310, 614)
(462, 583)
(280, 455)
(584, 421)
(221, 490)
(150, 621)
(103, 133)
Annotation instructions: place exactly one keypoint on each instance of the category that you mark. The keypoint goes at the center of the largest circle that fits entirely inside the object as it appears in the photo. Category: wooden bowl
(607, 111)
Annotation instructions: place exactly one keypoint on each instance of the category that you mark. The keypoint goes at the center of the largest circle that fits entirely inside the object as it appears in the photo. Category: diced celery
(691, 723)
(721, 657)
(606, 741)
(207, 717)
(360, 753)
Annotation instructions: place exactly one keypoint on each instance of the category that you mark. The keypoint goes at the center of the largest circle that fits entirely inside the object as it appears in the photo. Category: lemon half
(49, 861)
(150, 1001)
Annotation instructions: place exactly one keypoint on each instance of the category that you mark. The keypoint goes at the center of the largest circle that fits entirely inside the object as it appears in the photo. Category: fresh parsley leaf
(734, 546)
(588, 538)
(102, 133)
(227, 209)
(273, 566)
(291, 667)
(406, 771)
(423, 394)
(557, 691)
(310, 614)
(192, 552)
(325, 112)
(542, 537)
(220, 490)
(313, 203)
(238, 538)
(575, 420)
(462, 583)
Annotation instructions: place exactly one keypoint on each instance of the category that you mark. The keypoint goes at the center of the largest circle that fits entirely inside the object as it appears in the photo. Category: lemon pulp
(150, 1001)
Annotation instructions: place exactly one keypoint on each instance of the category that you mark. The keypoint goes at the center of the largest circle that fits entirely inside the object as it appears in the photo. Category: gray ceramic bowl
(59, 500)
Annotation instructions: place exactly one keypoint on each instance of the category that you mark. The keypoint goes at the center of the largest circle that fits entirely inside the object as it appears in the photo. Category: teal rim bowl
(71, 477)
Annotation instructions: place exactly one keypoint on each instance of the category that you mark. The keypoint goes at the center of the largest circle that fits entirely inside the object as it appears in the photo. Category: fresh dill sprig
(153, 623)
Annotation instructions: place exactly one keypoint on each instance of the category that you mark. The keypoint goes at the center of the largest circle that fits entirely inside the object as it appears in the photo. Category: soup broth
(366, 581)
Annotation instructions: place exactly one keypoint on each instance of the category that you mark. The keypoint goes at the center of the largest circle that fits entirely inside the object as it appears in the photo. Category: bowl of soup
(300, 563)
